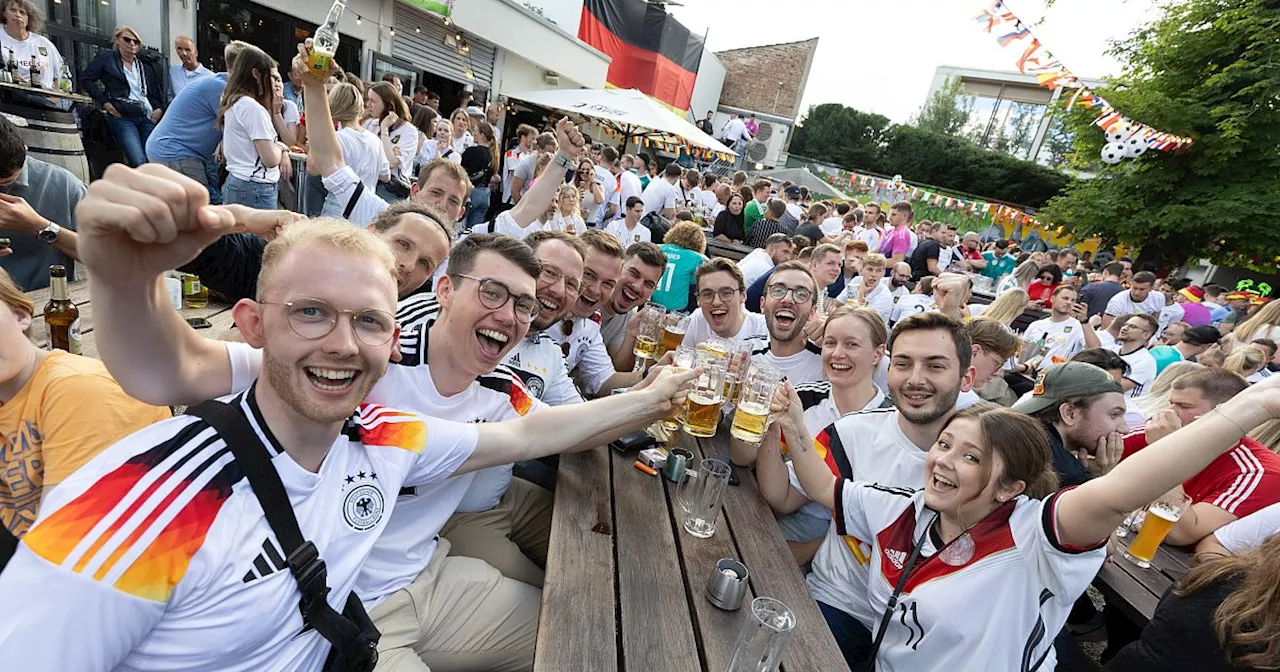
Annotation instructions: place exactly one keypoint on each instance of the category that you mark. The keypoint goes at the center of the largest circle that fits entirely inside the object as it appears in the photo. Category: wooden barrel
(51, 136)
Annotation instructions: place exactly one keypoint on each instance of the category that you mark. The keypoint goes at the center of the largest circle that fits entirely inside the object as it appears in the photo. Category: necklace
(959, 552)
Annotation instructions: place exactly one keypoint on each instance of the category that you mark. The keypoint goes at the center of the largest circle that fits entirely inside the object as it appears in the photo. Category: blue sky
(881, 56)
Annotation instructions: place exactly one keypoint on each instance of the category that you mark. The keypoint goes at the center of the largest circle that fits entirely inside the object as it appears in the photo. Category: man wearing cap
(791, 195)
(1082, 410)
(1194, 311)
(1238, 304)
(1195, 340)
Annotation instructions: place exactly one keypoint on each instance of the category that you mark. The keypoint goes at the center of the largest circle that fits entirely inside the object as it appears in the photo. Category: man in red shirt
(1235, 484)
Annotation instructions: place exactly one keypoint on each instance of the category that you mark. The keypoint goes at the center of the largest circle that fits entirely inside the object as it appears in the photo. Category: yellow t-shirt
(70, 410)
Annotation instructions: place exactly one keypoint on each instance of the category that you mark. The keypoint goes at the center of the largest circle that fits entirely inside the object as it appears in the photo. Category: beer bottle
(324, 44)
(194, 293)
(61, 315)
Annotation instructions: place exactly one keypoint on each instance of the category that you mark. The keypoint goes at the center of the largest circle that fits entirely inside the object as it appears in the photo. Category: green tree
(1208, 69)
(947, 110)
(841, 135)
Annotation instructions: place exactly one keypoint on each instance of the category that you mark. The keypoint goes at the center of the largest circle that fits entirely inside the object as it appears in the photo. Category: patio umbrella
(629, 113)
(802, 177)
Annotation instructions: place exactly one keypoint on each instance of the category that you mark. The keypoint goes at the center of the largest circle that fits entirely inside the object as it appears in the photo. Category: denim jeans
(131, 134)
(853, 638)
(478, 208)
(260, 195)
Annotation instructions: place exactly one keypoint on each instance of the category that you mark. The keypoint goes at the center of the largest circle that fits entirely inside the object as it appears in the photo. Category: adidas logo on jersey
(515, 359)
(269, 561)
(898, 558)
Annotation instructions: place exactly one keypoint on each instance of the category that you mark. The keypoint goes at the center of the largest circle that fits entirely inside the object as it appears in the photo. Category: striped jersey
(156, 555)
(1239, 481)
(996, 605)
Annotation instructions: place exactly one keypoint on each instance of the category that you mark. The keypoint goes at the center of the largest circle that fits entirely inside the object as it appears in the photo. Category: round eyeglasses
(314, 319)
(493, 294)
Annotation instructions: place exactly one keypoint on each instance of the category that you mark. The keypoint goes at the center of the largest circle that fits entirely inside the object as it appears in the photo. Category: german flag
(651, 51)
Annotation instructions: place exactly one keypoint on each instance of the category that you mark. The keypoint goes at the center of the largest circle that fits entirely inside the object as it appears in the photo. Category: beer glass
(684, 360)
(651, 321)
(763, 637)
(702, 408)
(752, 414)
(699, 496)
(1158, 520)
(716, 346)
(673, 330)
(739, 359)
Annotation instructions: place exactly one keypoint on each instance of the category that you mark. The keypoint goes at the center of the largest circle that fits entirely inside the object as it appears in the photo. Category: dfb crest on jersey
(362, 508)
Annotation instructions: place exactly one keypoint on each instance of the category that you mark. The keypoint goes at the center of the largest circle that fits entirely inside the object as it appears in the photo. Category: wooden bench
(624, 587)
(731, 251)
(1136, 591)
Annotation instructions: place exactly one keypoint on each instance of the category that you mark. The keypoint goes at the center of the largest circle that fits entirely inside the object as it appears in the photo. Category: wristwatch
(49, 234)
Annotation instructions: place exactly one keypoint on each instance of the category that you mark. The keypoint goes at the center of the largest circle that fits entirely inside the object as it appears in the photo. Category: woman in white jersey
(979, 570)
(438, 145)
(853, 341)
(1020, 278)
(460, 131)
(250, 141)
(390, 122)
(20, 41)
(361, 150)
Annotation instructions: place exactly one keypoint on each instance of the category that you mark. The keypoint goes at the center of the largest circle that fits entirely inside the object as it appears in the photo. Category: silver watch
(49, 234)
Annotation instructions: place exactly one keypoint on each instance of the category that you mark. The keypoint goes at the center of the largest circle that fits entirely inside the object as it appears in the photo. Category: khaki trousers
(512, 536)
(459, 615)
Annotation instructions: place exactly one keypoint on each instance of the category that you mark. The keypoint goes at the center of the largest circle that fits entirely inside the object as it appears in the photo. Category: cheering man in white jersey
(929, 366)
(642, 268)
(721, 291)
(154, 553)
(788, 305)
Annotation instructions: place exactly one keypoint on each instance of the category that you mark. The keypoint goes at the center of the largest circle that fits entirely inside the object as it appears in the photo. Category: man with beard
(314, 373)
(719, 291)
(1063, 334)
(1082, 409)
(929, 366)
(1131, 345)
(824, 266)
(642, 268)
(788, 305)
(898, 280)
(1138, 299)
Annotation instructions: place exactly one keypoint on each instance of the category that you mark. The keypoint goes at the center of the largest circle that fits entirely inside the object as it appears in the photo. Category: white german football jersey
(803, 367)
(1123, 304)
(412, 311)
(994, 606)
(1062, 340)
(156, 554)
(584, 350)
(881, 299)
(871, 446)
(538, 361)
(911, 304)
(753, 330)
(1142, 368)
(820, 412)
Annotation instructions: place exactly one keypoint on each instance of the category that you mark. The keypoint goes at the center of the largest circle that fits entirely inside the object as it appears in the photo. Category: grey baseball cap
(1067, 381)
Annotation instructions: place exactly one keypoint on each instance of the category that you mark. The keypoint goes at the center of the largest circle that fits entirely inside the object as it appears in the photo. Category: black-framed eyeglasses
(314, 319)
(800, 294)
(726, 295)
(493, 294)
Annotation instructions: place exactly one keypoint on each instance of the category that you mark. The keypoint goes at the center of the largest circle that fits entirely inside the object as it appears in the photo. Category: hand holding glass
(1159, 519)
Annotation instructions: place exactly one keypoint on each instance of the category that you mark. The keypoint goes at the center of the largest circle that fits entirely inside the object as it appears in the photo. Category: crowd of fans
(925, 428)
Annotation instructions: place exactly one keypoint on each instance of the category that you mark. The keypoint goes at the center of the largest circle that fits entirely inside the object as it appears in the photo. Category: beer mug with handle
(702, 406)
(700, 494)
(754, 398)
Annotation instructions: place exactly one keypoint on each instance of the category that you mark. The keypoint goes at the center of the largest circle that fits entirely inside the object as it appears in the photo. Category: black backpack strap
(351, 202)
(302, 557)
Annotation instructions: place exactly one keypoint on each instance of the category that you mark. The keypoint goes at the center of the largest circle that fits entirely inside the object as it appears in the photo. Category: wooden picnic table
(625, 584)
(219, 314)
(726, 249)
(1136, 591)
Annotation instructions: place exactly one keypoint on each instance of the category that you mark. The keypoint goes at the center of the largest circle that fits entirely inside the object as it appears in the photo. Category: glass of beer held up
(683, 360)
(756, 394)
(652, 317)
(702, 408)
(1158, 520)
(674, 326)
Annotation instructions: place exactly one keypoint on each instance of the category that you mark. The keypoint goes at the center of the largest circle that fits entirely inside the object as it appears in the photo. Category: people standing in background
(525, 135)
(753, 126)
(187, 69)
(705, 126)
(460, 138)
(20, 39)
(481, 163)
(250, 141)
(1098, 294)
(685, 246)
(130, 92)
(440, 145)
(292, 89)
(399, 138)
(897, 242)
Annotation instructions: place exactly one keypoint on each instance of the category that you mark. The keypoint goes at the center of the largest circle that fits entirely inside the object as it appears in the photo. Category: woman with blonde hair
(1223, 615)
(460, 123)
(1245, 361)
(389, 121)
(853, 344)
(438, 145)
(1263, 324)
(57, 412)
(1005, 309)
(361, 150)
(1020, 278)
(566, 214)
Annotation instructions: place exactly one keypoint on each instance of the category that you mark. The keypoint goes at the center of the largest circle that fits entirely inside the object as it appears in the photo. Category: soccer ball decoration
(1134, 147)
(1113, 153)
(1123, 143)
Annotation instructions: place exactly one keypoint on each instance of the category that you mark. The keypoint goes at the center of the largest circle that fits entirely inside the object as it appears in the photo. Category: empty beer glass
(752, 413)
(700, 494)
(763, 637)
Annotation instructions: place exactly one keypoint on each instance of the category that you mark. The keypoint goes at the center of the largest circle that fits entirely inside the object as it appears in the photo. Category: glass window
(384, 65)
(91, 16)
(218, 22)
